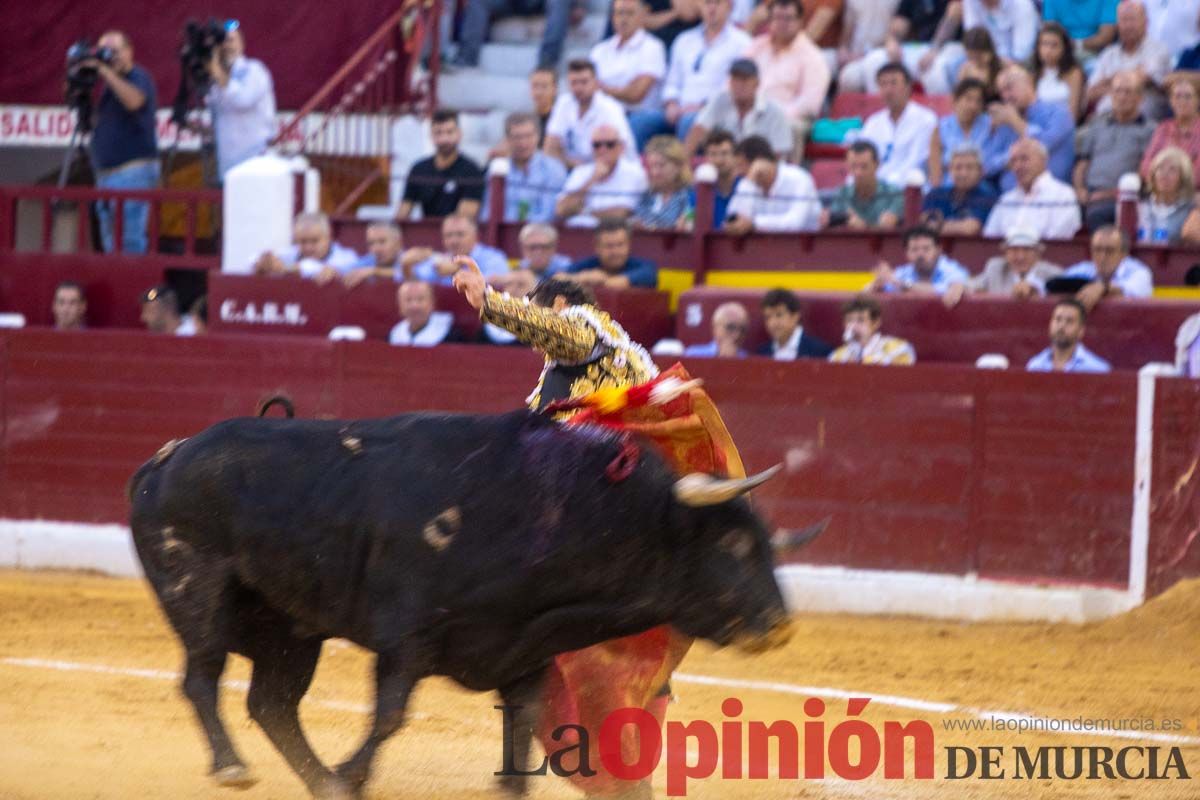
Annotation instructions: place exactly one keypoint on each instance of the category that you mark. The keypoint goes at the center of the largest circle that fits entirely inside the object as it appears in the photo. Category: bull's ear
(698, 490)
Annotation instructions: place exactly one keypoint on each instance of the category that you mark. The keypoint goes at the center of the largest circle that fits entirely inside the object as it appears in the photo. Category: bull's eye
(737, 543)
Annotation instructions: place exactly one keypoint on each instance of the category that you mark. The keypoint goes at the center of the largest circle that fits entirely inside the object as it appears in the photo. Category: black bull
(473, 547)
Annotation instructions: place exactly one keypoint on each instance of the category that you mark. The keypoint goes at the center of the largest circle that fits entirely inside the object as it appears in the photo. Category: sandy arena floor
(89, 707)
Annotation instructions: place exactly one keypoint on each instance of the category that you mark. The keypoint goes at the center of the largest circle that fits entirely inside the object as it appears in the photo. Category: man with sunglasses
(242, 101)
(607, 188)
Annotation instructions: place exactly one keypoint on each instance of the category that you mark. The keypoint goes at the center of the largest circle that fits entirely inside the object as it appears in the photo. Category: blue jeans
(478, 16)
(133, 226)
(648, 124)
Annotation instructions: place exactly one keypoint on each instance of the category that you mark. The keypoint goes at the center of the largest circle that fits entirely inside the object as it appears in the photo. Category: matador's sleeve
(570, 341)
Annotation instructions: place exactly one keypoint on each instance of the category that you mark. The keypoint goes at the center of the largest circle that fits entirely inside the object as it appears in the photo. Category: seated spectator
(789, 340)
(1183, 129)
(1019, 272)
(795, 74)
(579, 113)
(420, 325)
(719, 151)
(1091, 24)
(1059, 77)
(902, 130)
(1172, 191)
(1112, 272)
(667, 201)
(1187, 347)
(1022, 114)
(961, 208)
(865, 26)
(607, 188)
(865, 202)
(314, 253)
(969, 124)
(386, 257)
(1039, 200)
(730, 323)
(1133, 51)
(447, 182)
(1012, 25)
(1066, 352)
(744, 111)
(697, 69)
(477, 19)
(534, 178)
(862, 318)
(774, 196)
(928, 271)
(982, 63)
(613, 267)
(1175, 24)
(1109, 147)
(460, 237)
(921, 38)
(632, 63)
(160, 313)
(69, 307)
(539, 259)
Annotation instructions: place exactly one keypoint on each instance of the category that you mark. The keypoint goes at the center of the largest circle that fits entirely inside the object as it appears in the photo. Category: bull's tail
(281, 400)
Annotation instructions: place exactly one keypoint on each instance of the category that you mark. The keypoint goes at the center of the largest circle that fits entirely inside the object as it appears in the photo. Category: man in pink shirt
(794, 73)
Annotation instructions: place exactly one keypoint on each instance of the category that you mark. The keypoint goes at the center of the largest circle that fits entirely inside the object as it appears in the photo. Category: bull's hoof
(235, 776)
(512, 785)
(333, 788)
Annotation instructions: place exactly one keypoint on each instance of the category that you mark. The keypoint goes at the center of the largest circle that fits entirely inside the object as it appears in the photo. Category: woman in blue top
(666, 203)
(967, 124)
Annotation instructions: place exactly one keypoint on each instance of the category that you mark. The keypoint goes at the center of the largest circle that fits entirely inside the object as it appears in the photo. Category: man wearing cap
(1066, 352)
(1019, 273)
(242, 101)
(744, 111)
(160, 313)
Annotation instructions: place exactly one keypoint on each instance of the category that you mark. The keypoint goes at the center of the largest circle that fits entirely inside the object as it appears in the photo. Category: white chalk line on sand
(891, 701)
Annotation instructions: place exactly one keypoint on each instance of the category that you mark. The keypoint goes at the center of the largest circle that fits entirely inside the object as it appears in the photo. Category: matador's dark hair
(576, 294)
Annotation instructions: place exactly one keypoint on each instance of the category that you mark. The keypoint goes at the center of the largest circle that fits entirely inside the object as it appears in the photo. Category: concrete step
(477, 90)
(518, 60)
(528, 31)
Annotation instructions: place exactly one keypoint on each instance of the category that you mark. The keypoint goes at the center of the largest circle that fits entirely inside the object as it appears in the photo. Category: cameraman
(124, 143)
(242, 101)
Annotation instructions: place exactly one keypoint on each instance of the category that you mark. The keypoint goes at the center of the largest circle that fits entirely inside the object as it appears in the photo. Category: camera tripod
(78, 144)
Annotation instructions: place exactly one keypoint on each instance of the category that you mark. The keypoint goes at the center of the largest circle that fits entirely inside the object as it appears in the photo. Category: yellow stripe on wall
(1178, 292)
(802, 281)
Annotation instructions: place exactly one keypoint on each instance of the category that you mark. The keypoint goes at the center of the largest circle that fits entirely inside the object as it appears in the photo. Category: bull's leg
(393, 685)
(524, 695)
(283, 670)
(200, 685)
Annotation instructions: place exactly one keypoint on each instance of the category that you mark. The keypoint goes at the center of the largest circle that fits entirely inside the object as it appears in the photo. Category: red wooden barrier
(933, 468)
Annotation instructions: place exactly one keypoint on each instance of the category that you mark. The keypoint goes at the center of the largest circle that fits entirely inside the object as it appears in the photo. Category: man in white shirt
(773, 196)
(1039, 202)
(313, 254)
(1174, 23)
(242, 102)
(578, 112)
(631, 64)
(699, 65)
(1012, 24)
(1112, 272)
(1134, 51)
(902, 130)
(421, 325)
(609, 187)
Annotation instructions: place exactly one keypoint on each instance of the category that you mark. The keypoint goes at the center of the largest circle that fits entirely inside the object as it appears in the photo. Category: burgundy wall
(302, 45)
(1175, 484)
(932, 468)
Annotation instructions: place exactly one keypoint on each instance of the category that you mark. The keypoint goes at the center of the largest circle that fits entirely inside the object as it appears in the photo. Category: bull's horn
(698, 490)
(786, 539)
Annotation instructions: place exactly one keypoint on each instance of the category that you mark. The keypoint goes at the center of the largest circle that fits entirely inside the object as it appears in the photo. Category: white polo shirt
(792, 203)
(699, 69)
(575, 130)
(903, 144)
(619, 64)
(622, 189)
(1050, 207)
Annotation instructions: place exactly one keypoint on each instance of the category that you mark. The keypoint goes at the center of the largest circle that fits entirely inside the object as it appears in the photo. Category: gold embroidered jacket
(585, 349)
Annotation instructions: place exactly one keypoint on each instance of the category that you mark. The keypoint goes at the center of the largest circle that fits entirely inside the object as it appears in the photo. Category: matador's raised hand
(469, 281)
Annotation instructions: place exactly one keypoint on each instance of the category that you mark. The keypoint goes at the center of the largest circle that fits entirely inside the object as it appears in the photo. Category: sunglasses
(605, 144)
